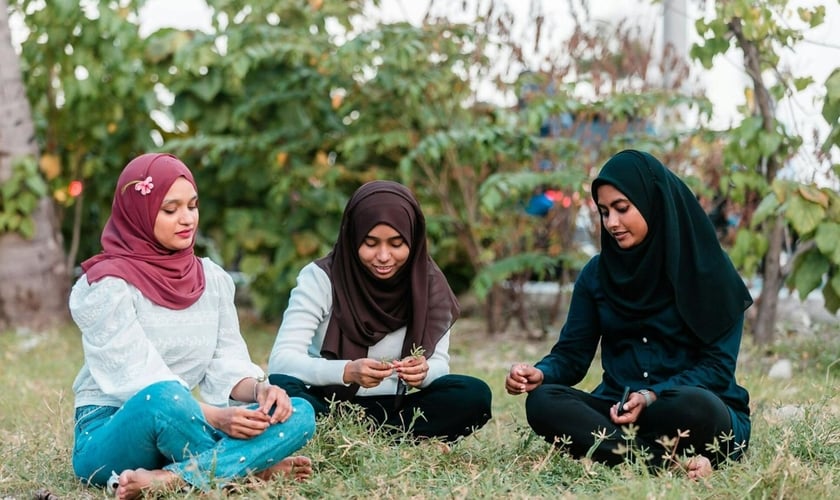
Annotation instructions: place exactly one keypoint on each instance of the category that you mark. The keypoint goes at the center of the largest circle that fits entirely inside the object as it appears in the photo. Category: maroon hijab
(366, 308)
(173, 279)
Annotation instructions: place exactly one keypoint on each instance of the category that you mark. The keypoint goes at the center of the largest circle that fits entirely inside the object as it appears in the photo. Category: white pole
(674, 35)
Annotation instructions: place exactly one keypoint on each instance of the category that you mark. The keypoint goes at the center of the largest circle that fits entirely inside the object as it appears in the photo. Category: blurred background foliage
(285, 107)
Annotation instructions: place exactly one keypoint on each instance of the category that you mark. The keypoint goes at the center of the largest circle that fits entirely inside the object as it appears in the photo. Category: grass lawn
(794, 453)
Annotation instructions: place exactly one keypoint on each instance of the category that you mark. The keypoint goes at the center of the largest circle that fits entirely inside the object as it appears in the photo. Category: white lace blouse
(129, 342)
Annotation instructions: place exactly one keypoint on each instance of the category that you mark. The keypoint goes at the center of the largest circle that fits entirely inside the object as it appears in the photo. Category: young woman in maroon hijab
(156, 322)
(370, 323)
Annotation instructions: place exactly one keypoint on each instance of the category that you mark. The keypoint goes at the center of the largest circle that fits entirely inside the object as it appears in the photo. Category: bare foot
(698, 467)
(298, 468)
(134, 483)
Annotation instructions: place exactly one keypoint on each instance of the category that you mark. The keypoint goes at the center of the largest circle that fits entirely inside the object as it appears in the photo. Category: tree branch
(800, 249)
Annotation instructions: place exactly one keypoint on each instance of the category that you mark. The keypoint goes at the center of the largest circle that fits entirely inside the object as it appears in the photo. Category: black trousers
(453, 406)
(557, 410)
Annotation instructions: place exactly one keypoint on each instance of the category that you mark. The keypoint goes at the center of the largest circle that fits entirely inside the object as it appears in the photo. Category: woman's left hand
(236, 421)
(269, 395)
(632, 409)
(412, 370)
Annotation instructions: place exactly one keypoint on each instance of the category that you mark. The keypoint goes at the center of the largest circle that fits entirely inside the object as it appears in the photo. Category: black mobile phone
(620, 409)
(402, 388)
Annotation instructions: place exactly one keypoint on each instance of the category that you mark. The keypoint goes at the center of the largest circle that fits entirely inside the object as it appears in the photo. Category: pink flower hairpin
(144, 186)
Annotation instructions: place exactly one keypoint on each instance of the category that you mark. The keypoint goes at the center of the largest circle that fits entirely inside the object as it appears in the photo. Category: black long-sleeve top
(654, 352)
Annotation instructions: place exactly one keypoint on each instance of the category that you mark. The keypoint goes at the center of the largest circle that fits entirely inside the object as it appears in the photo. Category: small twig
(828, 369)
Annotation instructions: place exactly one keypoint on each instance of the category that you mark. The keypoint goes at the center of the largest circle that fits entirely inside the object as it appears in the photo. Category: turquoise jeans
(163, 427)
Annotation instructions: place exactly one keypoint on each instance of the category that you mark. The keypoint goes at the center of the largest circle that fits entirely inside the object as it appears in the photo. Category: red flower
(75, 188)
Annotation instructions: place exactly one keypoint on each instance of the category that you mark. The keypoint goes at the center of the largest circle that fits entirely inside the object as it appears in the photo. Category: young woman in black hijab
(667, 307)
(370, 323)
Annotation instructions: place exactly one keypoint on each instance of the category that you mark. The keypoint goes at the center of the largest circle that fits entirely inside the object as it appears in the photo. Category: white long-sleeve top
(297, 348)
(130, 342)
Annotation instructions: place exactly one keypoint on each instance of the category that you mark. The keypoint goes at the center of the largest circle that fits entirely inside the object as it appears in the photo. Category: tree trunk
(33, 274)
(768, 301)
(495, 315)
(773, 277)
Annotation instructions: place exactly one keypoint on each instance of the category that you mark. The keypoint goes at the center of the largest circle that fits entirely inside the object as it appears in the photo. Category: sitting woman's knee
(169, 396)
(305, 413)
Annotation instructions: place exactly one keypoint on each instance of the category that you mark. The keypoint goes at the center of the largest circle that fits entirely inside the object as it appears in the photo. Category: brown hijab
(366, 308)
(173, 279)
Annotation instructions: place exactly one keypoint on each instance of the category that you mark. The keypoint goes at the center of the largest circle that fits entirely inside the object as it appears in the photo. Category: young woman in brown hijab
(370, 323)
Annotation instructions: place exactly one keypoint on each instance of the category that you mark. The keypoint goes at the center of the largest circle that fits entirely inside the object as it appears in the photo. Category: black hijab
(679, 260)
(366, 308)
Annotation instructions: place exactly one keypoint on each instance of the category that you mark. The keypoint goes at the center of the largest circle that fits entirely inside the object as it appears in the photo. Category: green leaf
(749, 128)
(827, 238)
(802, 83)
(813, 16)
(208, 86)
(803, 215)
(808, 272)
(26, 203)
(831, 108)
(833, 211)
(748, 251)
(27, 228)
(769, 142)
(832, 97)
(164, 43)
(36, 185)
(503, 269)
(831, 293)
(253, 265)
(765, 209)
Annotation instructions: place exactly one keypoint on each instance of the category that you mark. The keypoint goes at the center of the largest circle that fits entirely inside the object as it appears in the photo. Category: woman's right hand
(523, 378)
(367, 372)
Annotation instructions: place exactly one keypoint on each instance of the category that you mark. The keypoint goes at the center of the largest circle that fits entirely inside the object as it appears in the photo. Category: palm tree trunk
(33, 275)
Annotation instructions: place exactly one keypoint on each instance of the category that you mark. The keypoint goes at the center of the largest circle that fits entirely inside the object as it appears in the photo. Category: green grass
(794, 453)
